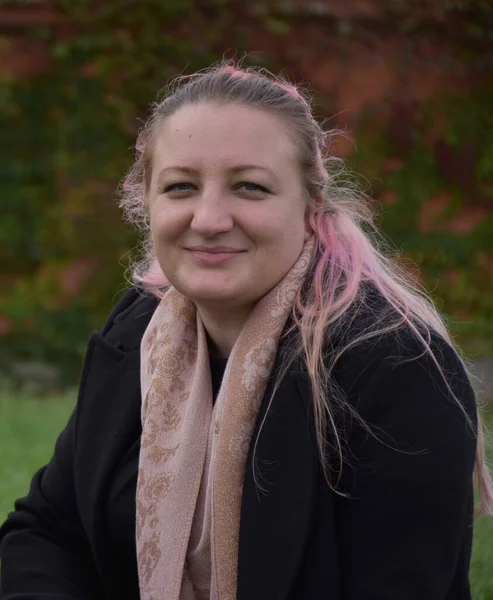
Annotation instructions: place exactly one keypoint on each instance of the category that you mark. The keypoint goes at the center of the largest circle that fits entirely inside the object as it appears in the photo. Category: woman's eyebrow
(235, 169)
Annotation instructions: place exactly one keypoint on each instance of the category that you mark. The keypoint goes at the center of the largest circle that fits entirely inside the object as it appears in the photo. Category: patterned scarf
(193, 452)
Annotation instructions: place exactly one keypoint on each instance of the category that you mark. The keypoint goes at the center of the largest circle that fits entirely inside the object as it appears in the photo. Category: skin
(215, 204)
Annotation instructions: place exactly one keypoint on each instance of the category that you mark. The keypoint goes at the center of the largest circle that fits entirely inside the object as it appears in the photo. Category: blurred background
(410, 81)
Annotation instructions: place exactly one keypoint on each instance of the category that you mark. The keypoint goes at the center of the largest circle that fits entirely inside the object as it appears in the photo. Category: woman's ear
(308, 227)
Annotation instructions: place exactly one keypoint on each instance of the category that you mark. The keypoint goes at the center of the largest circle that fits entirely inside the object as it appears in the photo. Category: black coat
(404, 533)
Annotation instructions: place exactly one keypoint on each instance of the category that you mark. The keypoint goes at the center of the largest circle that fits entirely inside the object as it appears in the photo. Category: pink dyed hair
(350, 252)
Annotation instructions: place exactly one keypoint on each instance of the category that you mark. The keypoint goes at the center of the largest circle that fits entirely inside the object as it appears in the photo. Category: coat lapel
(108, 416)
(275, 522)
(109, 421)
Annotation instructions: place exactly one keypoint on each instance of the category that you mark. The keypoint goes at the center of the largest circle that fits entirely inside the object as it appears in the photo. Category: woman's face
(226, 206)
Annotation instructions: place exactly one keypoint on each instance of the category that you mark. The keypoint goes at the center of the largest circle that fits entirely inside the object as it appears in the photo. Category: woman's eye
(248, 186)
(178, 187)
(253, 187)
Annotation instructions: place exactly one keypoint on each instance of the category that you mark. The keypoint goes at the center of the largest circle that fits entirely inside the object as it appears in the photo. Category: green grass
(481, 573)
(28, 430)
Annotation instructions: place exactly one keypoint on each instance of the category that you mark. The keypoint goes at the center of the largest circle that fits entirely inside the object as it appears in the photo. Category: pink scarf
(193, 453)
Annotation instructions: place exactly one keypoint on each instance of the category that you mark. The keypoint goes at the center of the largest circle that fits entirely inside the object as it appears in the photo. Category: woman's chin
(213, 295)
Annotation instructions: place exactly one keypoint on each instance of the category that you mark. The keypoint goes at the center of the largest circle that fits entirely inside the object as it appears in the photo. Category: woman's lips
(214, 257)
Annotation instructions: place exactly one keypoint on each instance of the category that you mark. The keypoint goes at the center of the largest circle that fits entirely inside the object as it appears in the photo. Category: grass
(28, 430)
(481, 573)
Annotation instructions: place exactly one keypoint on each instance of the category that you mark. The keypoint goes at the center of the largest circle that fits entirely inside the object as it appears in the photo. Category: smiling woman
(273, 410)
(230, 232)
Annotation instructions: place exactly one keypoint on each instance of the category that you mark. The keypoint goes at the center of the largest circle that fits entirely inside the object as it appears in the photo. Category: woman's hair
(351, 255)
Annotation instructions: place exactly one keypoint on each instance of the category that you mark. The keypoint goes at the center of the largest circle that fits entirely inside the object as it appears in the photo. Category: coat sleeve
(404, 532)
(44, 552)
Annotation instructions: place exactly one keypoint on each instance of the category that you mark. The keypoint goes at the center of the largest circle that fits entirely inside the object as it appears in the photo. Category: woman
(308, 429)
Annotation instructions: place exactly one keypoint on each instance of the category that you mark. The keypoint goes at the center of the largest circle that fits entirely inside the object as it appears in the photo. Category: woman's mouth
(215, 254)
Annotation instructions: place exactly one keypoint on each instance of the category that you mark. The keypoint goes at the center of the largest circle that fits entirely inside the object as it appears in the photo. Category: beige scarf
(193, 453)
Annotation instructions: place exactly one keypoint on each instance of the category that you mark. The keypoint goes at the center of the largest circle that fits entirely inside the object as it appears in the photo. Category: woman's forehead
(229, 137)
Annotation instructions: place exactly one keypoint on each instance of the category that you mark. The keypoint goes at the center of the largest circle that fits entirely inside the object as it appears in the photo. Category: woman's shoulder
(375, 329)
(378, 343)
(128, 320)
(404, 343)
(409, 361)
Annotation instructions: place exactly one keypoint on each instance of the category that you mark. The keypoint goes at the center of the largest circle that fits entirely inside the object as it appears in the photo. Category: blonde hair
(351, 254)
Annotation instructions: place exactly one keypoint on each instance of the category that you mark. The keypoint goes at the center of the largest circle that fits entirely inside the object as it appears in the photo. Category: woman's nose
(211, 215)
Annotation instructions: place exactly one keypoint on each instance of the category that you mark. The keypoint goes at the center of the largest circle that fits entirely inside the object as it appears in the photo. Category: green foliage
(447, 162)
(70, 131)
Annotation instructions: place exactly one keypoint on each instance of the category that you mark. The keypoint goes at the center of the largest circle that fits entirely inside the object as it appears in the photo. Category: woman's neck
(223, 329)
